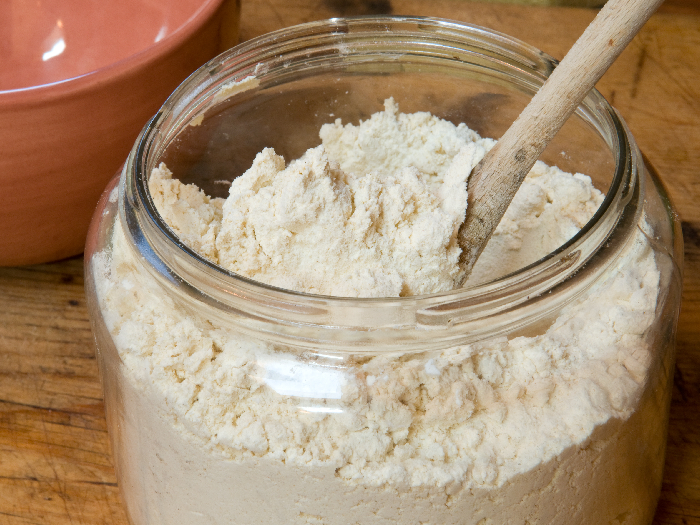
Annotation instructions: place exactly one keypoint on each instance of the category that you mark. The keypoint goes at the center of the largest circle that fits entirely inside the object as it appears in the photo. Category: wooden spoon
(495, 180)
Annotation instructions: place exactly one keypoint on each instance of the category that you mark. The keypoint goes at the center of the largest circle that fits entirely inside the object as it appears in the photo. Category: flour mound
(371, 212)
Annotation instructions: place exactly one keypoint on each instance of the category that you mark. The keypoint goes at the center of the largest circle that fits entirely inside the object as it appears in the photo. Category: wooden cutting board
(55, 462)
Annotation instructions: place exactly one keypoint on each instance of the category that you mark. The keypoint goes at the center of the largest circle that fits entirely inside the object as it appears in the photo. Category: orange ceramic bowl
(78, 80)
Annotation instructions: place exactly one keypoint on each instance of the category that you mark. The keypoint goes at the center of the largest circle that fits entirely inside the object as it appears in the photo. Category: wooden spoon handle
(494, 182)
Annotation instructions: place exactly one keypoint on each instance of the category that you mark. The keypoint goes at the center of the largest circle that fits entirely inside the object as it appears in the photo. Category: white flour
(504, 431)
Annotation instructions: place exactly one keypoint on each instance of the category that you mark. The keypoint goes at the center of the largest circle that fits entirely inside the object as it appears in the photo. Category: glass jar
(540, 396)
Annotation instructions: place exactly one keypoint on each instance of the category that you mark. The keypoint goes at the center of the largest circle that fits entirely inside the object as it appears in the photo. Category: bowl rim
(115, 70)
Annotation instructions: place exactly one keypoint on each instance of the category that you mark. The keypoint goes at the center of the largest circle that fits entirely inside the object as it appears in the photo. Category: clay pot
(77, 84)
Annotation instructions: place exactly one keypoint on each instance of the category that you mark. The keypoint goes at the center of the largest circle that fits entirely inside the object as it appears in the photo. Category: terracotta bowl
(78, 80)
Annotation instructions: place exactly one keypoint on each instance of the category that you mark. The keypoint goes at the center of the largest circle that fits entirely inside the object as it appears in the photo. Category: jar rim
(170, 259)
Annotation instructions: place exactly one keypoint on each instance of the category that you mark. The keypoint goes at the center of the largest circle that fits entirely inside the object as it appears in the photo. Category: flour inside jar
(491, 432)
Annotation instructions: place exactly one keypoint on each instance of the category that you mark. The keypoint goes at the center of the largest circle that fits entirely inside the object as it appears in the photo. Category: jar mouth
(264, 57)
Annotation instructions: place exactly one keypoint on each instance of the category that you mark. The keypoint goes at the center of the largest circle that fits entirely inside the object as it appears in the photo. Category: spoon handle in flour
(494, 182)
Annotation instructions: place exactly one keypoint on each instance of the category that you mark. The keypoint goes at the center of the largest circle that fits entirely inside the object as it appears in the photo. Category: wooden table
(55, 462)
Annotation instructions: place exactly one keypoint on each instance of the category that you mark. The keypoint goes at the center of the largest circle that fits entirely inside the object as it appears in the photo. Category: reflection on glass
(290, 377)
(323, 410)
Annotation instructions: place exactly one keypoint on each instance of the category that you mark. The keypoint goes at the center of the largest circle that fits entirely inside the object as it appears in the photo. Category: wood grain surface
(55, 462)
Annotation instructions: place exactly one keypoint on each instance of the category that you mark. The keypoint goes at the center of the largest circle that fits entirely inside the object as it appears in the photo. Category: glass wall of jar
(540, 396)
